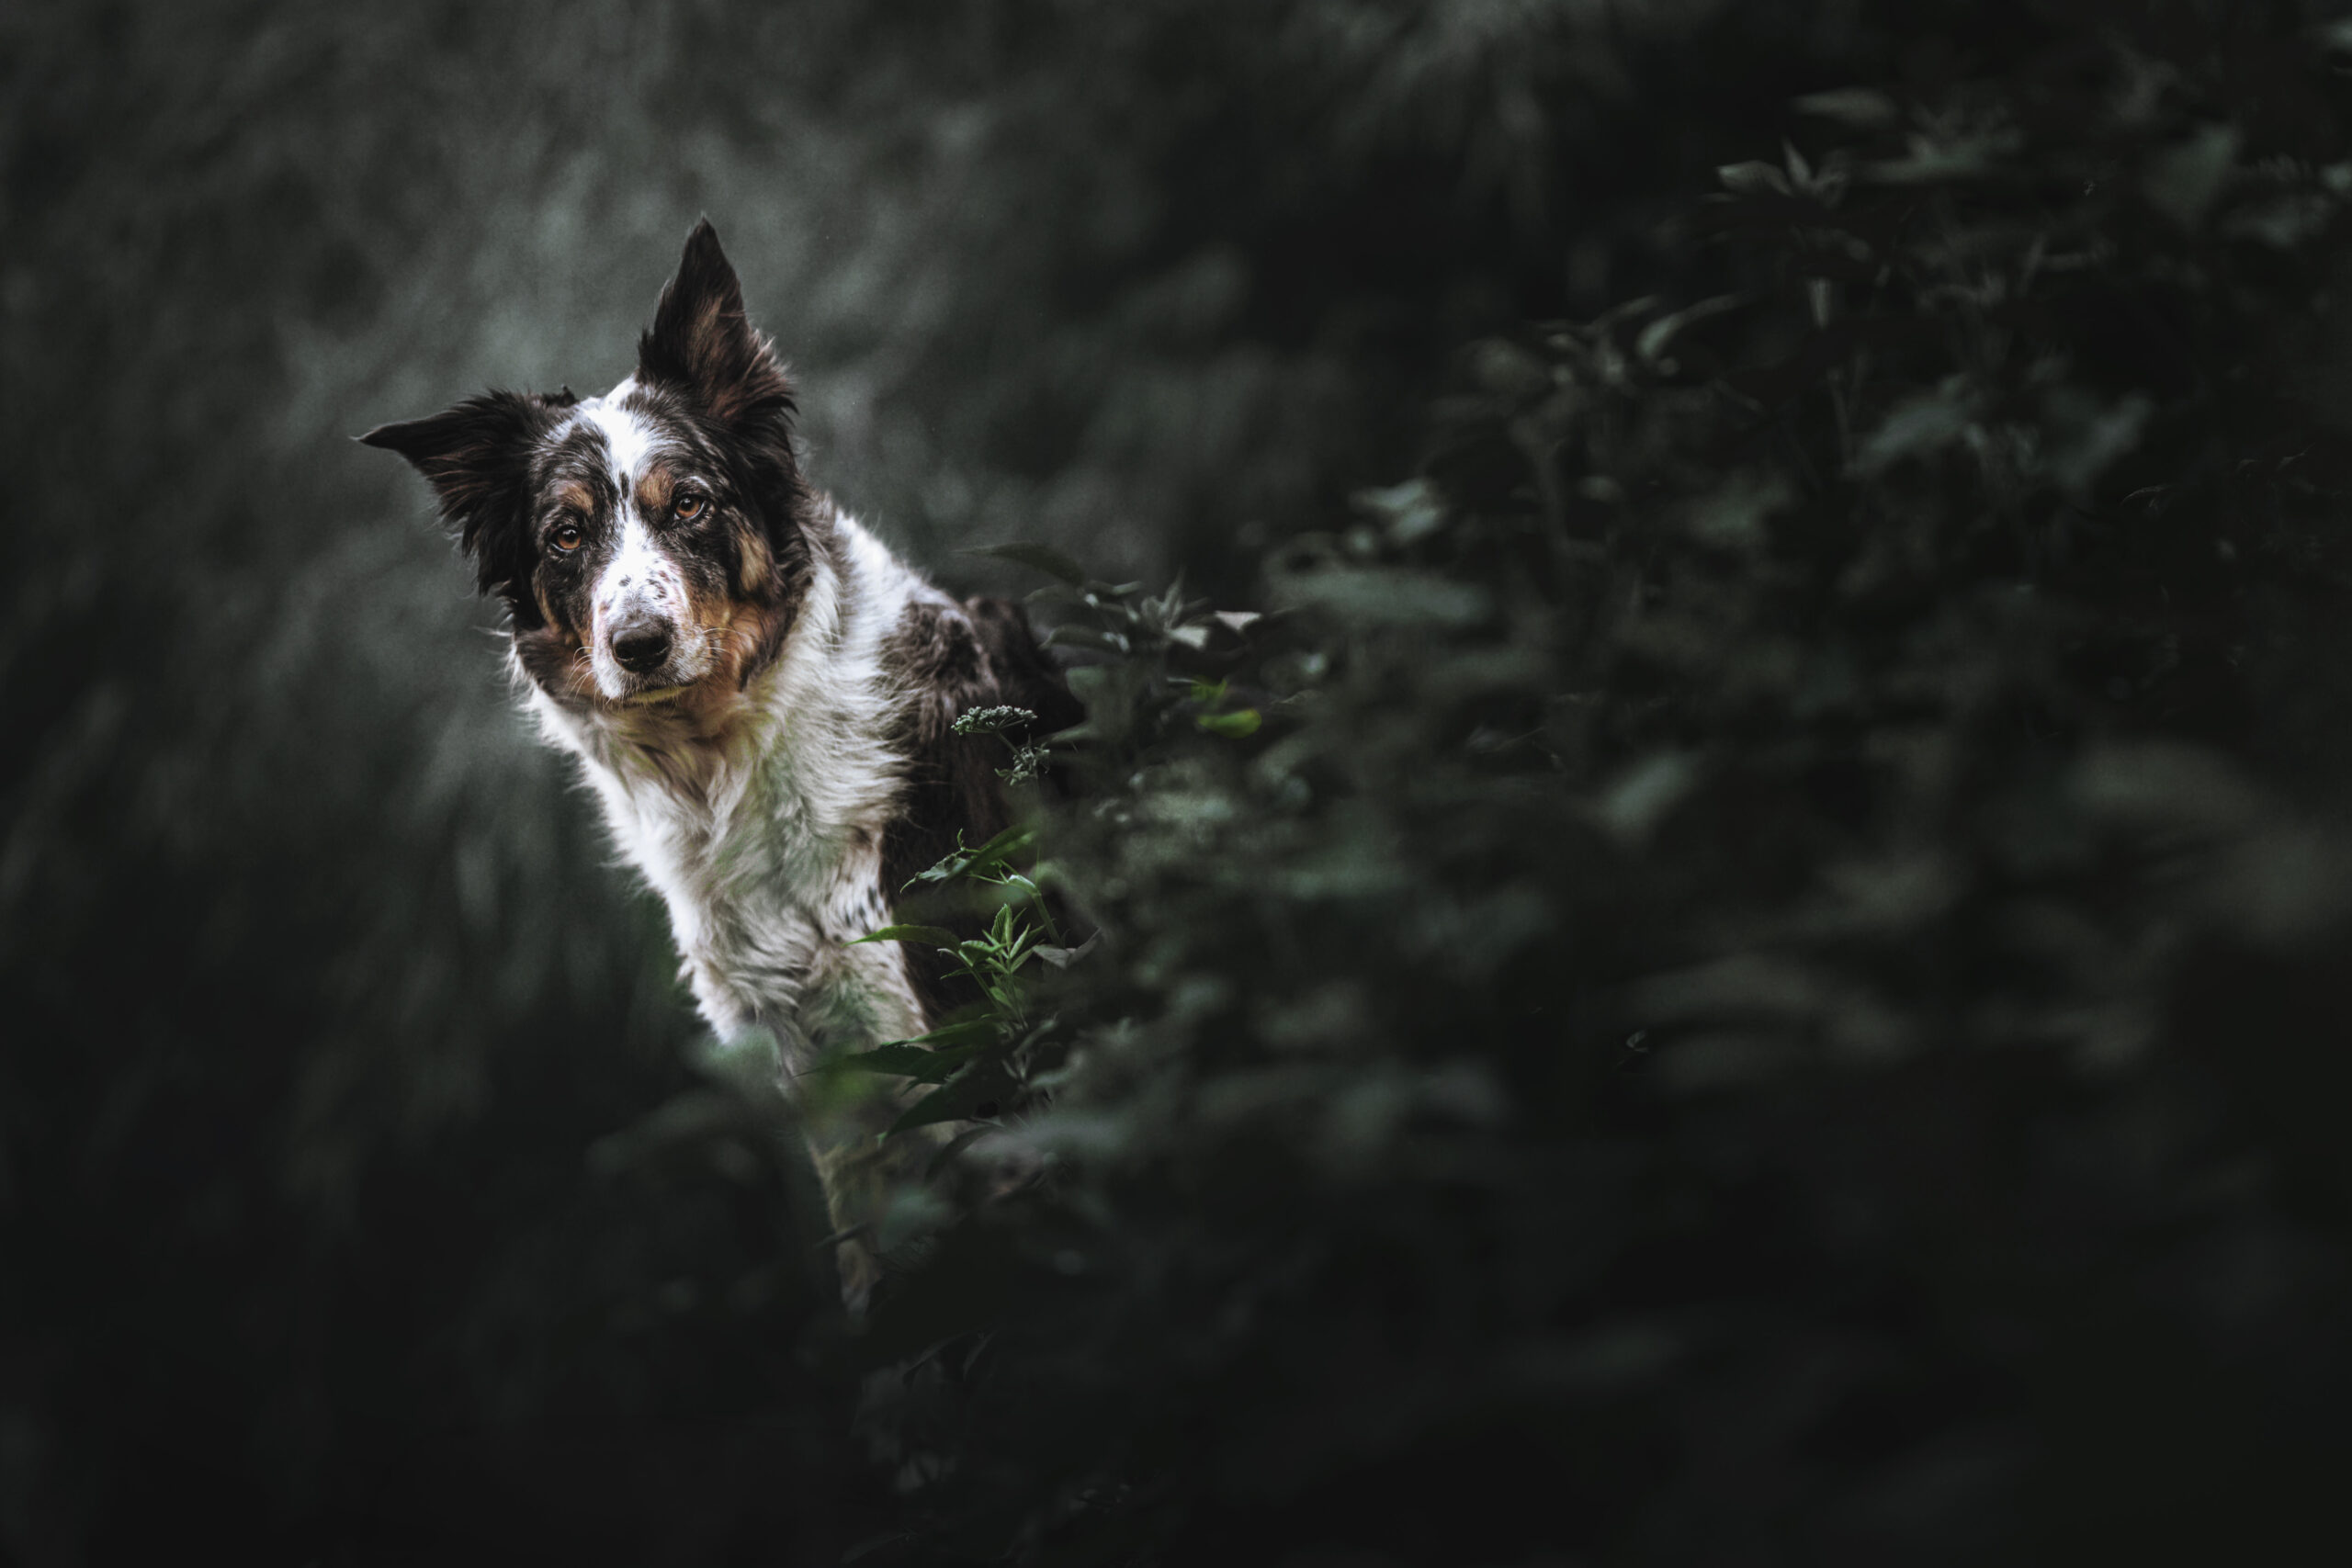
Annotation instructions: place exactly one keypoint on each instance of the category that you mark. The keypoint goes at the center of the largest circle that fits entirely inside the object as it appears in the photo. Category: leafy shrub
(1755, 993)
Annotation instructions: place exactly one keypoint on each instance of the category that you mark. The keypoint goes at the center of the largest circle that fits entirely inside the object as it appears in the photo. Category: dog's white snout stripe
(639, 577)
(639, 582)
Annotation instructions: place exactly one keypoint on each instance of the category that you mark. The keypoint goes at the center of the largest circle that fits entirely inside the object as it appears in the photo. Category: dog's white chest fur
(767, 847)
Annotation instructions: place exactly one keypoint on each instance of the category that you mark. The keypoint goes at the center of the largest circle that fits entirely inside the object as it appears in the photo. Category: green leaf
(1933, 160)
(1733, 517)
(1241, 722)
(1038, 558)
(906, 1059)
(971, 1031)
(1010, 842)
(1069, 634)
(1644, 794)
(1752, 177)
(960, 1098)
(928, 936)
(1373, 596)
(2183, 181)
(1919, 425)
(937, 1106)
(954, 1147)
(900, 1058)
(971, 864)
(1658, 334)
(1861, 107)
(1413, 510)
(1063, 957)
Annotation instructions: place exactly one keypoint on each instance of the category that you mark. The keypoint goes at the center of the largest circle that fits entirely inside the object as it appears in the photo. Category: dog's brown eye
(688, 505)
(566, 537)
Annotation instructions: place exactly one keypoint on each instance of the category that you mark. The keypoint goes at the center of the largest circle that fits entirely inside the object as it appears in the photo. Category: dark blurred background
(358, 1202)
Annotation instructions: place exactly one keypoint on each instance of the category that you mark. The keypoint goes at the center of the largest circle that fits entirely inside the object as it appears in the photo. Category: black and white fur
(759, 690)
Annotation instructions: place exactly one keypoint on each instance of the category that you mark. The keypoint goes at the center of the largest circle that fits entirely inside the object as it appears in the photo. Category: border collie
(760, 692)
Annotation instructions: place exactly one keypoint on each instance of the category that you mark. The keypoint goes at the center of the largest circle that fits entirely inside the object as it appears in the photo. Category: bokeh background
(323, 989)
(357, 1198)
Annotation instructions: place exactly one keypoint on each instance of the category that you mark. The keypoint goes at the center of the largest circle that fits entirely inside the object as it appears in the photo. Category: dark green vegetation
(1766, 984)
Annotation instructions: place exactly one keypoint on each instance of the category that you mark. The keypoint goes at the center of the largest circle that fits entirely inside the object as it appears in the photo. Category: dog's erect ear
(701, 344)
(478, 458)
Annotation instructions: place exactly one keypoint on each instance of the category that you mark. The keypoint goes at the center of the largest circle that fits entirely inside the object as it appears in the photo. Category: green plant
(1726, 851)
(1029, 757)
(988, 1057)
(982, 1057)
(1132, 645)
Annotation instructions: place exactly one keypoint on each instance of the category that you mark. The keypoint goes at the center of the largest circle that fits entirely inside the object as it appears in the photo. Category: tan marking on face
(713, 612)
(753, 633)
(759, 567)
(578, 498)
(653, 489)
(546, 605)
(744, 643)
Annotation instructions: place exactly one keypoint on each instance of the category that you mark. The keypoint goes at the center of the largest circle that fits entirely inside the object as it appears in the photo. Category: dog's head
(650, 544)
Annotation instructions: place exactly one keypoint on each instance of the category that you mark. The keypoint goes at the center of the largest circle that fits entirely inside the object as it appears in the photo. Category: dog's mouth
(651, 696)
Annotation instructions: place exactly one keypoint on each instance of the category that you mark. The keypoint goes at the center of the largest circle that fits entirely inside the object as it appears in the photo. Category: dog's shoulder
(956, 654)
(947, 656)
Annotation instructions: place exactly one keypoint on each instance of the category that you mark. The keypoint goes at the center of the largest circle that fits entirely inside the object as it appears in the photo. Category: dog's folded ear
(477, 456)
(701, 343)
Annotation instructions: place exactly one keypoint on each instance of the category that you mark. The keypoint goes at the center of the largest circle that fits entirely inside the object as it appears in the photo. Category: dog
(761, 694)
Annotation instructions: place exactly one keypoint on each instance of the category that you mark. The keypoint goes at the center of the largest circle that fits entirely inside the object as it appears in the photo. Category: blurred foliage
(1762, 983)
(1769, 987)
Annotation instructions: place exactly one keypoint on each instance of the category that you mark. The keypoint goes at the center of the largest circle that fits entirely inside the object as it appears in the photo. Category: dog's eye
(566, 537)
(688, 505)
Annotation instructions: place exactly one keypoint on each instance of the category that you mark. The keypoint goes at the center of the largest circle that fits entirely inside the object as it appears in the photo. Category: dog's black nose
(640, 645)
